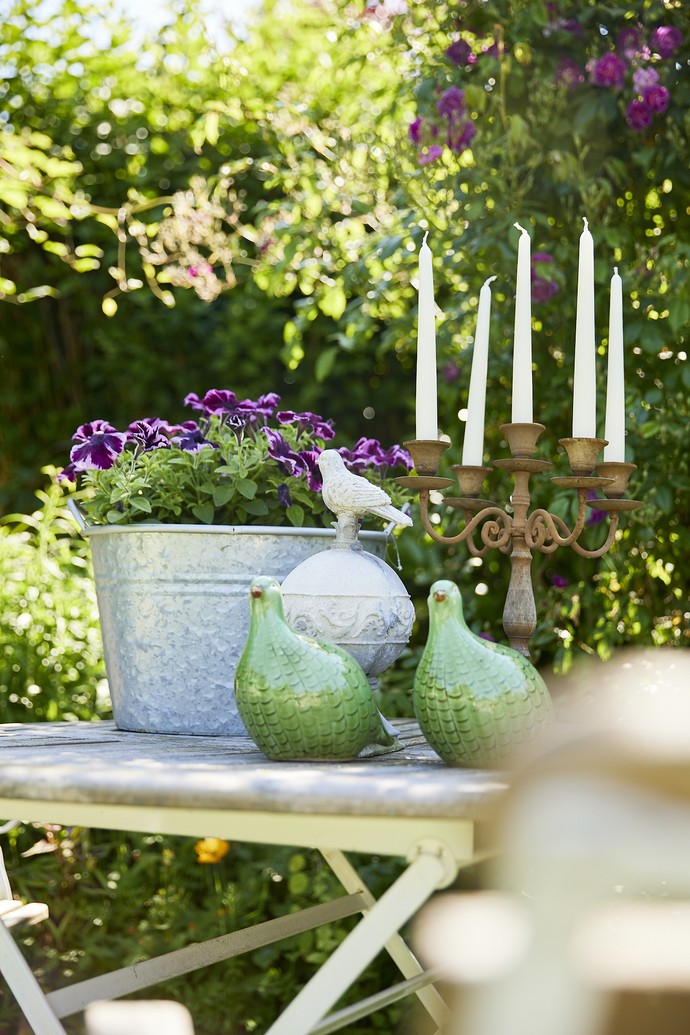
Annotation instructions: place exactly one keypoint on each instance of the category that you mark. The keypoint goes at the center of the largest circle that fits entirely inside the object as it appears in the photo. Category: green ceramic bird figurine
(477, 702)
(301, 699)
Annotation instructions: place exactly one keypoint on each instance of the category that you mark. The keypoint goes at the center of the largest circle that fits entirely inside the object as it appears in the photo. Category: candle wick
(584, 220)
(426, 234)
(520, 228)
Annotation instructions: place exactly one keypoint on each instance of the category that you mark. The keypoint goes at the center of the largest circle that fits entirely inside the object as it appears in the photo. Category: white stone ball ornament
(347, 596)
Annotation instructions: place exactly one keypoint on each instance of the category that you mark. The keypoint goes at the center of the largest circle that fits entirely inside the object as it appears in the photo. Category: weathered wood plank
(95, 762)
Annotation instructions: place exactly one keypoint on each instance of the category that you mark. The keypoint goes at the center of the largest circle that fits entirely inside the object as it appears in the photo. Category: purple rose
(414, 130)
(569, 74)
(595, 517)
(460, 53)
(451, 103)
(460, 136)
(430, 154)
(656, 97)
(638, 115)
(629, 42)
(665, 40)
(543, 290)
(609, 70)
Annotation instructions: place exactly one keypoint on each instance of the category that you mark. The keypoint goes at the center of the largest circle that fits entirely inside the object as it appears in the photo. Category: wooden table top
(97, 763)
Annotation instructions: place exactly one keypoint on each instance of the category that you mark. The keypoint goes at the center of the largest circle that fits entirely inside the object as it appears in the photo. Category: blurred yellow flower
(211, 849)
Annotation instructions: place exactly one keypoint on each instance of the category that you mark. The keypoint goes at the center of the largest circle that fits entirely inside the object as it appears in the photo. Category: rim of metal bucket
(95, 530)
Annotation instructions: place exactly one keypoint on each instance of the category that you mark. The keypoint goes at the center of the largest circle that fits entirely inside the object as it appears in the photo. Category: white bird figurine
(349, 495)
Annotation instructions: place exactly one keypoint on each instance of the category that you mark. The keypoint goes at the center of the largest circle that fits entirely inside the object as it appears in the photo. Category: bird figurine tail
(478, 703)
(302, 699)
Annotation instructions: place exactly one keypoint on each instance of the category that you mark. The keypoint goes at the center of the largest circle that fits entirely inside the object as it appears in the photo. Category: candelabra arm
(495, 533)
(613, 528)
(542, 527)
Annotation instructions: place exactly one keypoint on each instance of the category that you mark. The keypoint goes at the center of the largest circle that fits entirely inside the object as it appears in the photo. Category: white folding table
(406, 804)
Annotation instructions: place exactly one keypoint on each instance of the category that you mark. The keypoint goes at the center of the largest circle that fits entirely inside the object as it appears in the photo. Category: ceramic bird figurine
(301, 699)
(477, 703)
(348, 494)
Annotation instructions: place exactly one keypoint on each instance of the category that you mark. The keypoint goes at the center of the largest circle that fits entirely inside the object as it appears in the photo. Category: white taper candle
(585, 383)
(615, 382)
(473, 445)
(522, 341)
(427, 389)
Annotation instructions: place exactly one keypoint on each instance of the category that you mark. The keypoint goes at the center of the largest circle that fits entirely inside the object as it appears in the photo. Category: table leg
(25, 988)
(431, 868)
(396, 947)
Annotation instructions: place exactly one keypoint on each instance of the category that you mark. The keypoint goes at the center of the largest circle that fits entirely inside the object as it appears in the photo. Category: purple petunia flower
(460, 53)
(284, 497)
(194, 401)
(149, 434)
(68, 473)
(644, 77)
(264, 406)
(487, 636)
(414, 130)
(595, 517)
(638, 115)
(609, 70)
(321, 428)
(396, 456)
(450, 372)
(279, 450)
(666, 39)
(193, 442)
(569, 74)
(98, 446)
(451, 103)
(368, 451)
(309, 458)
(656, 97)
(218, 401)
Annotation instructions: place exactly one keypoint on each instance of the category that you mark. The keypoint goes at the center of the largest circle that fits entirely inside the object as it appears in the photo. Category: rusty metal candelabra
(521, 532)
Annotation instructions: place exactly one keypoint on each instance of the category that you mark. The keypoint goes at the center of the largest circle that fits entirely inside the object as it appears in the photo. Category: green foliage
(117, 898)
(51, 663)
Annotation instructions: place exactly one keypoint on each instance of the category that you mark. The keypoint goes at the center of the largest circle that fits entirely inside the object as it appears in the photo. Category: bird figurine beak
(257, 592)
(439, 596)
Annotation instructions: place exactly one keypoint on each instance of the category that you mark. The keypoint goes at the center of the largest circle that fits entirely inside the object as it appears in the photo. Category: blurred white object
(594, 869)
(153, 1017)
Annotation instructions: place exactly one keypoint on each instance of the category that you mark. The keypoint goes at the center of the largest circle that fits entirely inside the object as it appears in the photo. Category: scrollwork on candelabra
(519, 532)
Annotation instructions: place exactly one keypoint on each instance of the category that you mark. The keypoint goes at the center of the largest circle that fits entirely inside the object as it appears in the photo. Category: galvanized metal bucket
(174, 612)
